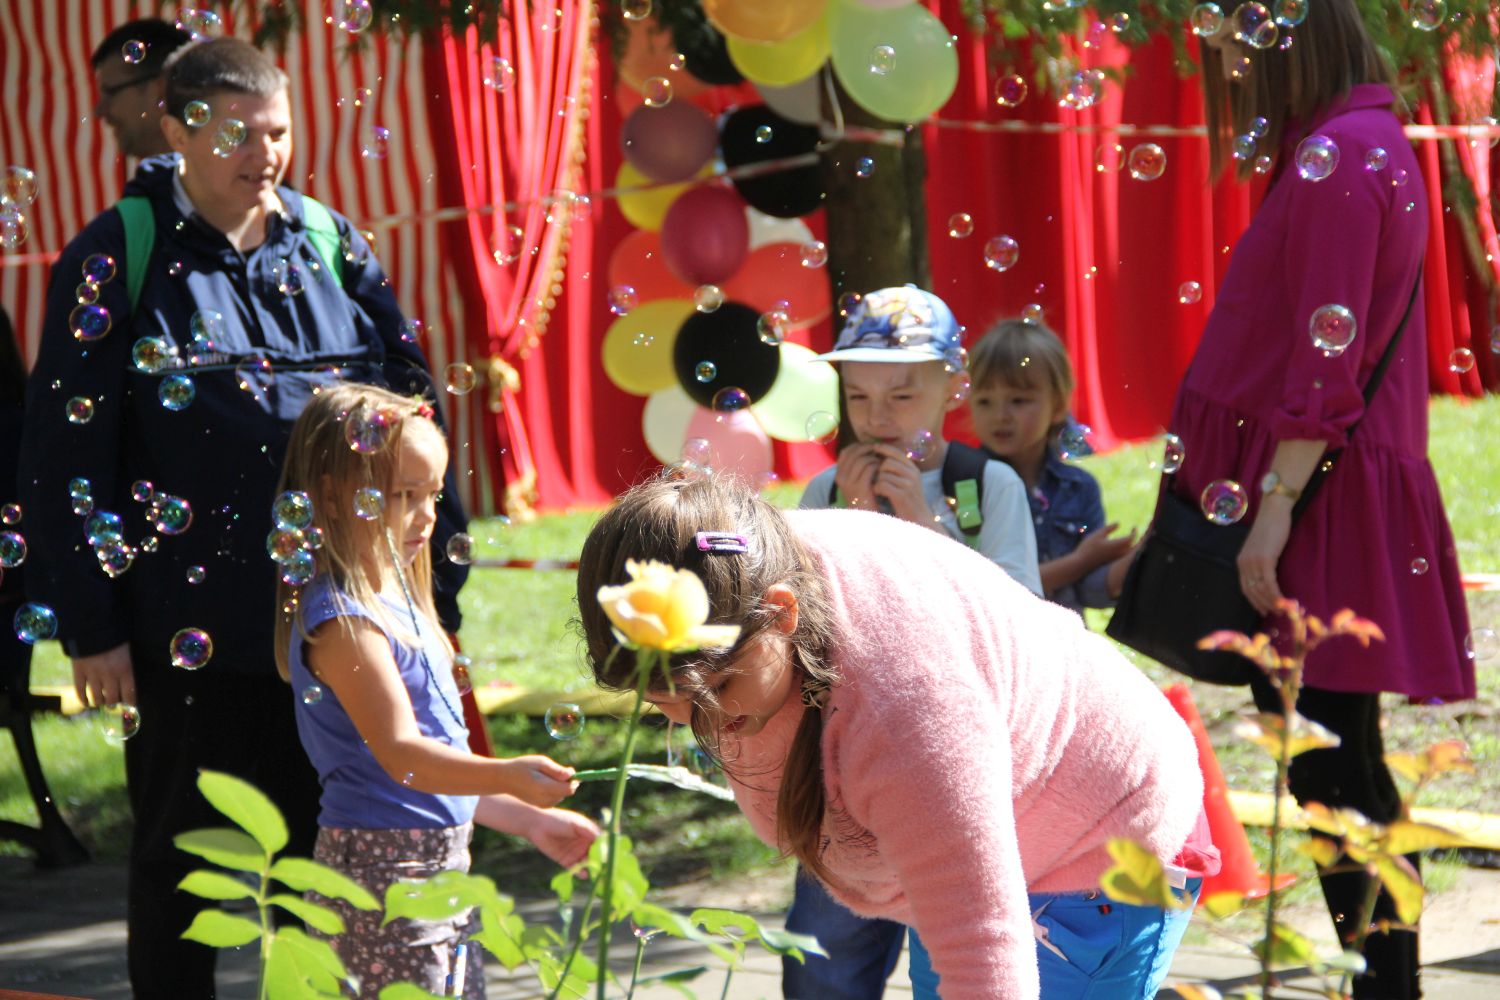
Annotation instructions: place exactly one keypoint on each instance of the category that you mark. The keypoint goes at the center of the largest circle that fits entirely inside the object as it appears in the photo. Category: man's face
(247, 177)
(130, 104)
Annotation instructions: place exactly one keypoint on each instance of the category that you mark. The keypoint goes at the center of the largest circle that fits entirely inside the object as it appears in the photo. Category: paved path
(63, 932)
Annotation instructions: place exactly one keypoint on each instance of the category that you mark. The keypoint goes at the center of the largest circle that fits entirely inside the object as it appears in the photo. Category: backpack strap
(323, 234)
(140, 240)
(963, 482)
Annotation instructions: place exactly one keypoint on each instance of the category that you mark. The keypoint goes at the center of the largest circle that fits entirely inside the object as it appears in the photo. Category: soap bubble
(89, 323)
(960, 225)
(1146, 161)
(882, 60)
(1189, 292)
(1332, 328)
(82, 505)
(698, 451)
(635, 10)
(99, 268)
(764, 134)
(1290, 13)
(1482, 644)
(1427, 15)
(814, 253)
(115, 557)
(1259, 127)
(288, 275)
(771, 327)
(922, 446)
(1224, 501)
(1419, 566)
(12, 549)
(1083, 90)
(201, 24)
(847, 303)
(191, 649)
(80, 410)
(80, 487)
(1010, 90)
(230, 136)
(368, 503)
(118, 723)
(706, 371)
(255, 376)
(312, 694)
(299, 569)
(10, 514)
(1073, 441)
(1461, 360)
(376, 143)
(368, 431)
(1001, 253)
(622, 299)
(133, 51)
(152, 355)
(1376, 159)
(730, 400)
(150, 544)
(564, 721)
(864, 167)
(1317, 157)
(1206, 19)
(1033, 313)
(35, 623)
(86, 294)
(196, 575)
(460, 549)
(459, 378)
(141, 491)
(822, 427)
(170, 515)
(20, 186)
(1254, 25)
(197, 114)
(14, 229)
(657, 92)
(292, 509)
(501, 75)
(353, 16)
(206, 329)
(707, 298)
(281, 543)
(102, 526)
(176, 392)
(509, 244)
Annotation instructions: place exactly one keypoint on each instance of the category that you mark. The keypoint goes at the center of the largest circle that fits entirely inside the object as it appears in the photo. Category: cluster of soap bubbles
(16, 197)
(1082, 89)
(294, 538)
(201, 24)
(90, 321)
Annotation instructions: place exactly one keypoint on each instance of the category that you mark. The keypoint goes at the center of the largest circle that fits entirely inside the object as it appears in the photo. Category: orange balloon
(649, 52)
(638, 262)
(775, 273)
(763, 20)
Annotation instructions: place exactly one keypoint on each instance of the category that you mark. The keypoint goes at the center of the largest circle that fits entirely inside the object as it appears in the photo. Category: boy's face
(247, 178)
(891, 401)
(1013, 421)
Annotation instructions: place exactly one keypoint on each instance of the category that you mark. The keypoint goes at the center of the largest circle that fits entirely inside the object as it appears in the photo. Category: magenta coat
(1375, 538)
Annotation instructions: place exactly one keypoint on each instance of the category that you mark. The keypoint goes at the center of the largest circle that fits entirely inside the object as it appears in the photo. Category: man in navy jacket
(172, 413)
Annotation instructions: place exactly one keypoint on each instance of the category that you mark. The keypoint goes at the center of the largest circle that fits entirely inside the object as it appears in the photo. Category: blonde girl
(376, 701)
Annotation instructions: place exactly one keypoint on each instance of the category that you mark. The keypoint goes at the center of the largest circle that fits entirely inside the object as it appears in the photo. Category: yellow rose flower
(663, 608)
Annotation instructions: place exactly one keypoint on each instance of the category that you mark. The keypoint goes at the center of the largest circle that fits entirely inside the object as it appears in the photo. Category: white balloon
(665, 422)
(800, 102)
(769, 229)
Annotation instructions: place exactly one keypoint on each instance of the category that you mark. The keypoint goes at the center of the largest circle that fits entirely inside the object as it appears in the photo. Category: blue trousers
(1098, 950)
(861, 952)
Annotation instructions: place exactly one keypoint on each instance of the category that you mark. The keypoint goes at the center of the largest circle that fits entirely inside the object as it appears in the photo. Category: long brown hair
(658, 520)
(1330, 55)
(321, 463)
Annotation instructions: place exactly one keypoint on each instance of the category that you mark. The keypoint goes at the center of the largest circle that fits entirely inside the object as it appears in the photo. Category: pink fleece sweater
(981, 744)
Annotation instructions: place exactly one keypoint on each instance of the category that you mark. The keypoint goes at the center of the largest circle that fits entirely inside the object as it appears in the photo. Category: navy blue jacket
(222, 453)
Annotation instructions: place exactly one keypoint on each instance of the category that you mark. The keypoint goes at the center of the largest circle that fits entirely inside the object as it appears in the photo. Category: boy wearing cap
(901, 369)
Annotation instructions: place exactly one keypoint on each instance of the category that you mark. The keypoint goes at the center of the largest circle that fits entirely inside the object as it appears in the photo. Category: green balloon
(899, 63)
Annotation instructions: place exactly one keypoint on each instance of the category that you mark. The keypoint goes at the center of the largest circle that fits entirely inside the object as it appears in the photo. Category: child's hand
(1099, 547)
(1115, 579)
(563, 835)
(855, 478)
(539, 780)
(899, 481)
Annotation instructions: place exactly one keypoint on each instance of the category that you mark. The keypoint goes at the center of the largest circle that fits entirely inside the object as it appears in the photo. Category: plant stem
(617, 809)
(1366, 914)
(1288, 693)
(728, 977)
(264, 909)
(635, 973)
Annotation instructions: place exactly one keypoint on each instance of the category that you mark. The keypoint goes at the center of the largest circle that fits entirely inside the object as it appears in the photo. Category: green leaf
(677, 979)
(581, 975)
(298, 966)
(303, 875)
(1288, 947)
(562, 886)
(502, 933)
(319, 918)
(247, 806)
(727, 923)
(653, 917)
(1408, 837)
(1402, 882)
(407, 991)
(1222, 904)
(218, 929)
(224, 846)
(441, 897)
(1137, 877)
(798, 946)
(1351, 962)
(207, 884)
(1268, 730)
(629, 882)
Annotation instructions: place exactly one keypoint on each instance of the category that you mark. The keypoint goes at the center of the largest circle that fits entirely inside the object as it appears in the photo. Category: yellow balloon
(780, 64)
(646, 209)
(804, 386)
(664, 422)
(637, 349)
(763, 20)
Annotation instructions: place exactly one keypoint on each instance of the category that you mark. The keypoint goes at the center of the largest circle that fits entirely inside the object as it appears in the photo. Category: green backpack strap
(140, 241)
(323, 234)
(963, 482)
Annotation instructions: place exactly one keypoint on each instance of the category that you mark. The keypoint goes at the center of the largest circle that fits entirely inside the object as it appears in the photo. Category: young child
(376, 701)
(1022, 390)
(900, 366)
(924, 735)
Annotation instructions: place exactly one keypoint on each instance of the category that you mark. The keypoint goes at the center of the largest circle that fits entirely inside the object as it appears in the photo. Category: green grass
(516, 628)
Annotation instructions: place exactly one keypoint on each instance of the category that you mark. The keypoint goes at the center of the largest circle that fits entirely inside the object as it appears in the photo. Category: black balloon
(756, 134)
(704, 52)
(728, 340)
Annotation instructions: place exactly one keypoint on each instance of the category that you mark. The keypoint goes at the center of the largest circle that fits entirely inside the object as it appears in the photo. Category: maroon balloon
(668, 143)
(705, 236)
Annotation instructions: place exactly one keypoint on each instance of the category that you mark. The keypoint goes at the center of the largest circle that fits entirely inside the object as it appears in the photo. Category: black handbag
(1184, 583)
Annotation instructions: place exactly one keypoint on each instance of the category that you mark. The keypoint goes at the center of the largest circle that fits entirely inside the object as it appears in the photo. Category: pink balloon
(705, 235)
(737, 444)
(668, 143)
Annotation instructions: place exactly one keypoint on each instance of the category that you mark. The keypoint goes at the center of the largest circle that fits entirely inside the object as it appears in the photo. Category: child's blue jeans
(1093, 949)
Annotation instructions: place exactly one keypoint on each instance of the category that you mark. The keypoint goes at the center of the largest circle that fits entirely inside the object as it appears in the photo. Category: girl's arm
(357, 664)
(561, 834)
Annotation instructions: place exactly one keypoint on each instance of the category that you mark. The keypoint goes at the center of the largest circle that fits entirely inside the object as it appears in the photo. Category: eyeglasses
(111, 92)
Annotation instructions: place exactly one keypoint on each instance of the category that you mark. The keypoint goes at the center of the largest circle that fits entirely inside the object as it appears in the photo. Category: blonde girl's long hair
(322, 462)
(659, 520)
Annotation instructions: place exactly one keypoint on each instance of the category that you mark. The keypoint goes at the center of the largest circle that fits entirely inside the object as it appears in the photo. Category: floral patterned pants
(404, 951)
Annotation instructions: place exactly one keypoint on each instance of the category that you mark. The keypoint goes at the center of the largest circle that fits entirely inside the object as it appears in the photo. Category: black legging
(1353, 774)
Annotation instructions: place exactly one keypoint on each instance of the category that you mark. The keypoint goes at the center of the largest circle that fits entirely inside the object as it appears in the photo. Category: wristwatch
(1271, 484)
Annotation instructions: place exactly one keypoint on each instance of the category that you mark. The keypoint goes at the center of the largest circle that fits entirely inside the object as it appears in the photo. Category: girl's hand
(539, 780)
(855, 478)
(563, 835)
(1102, 546)
(1262, 551)
(900, 481)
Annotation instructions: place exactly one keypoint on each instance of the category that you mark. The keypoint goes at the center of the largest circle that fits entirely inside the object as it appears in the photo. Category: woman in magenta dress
(1262, 404)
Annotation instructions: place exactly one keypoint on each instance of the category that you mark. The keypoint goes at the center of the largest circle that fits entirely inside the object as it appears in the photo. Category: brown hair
(1332, 54)
(321, 463)
(657, 520)
(222, 65)
(1023, 354)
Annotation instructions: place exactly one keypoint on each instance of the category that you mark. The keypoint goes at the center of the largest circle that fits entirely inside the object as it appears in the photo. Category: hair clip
(721, 541)
(424, 409)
